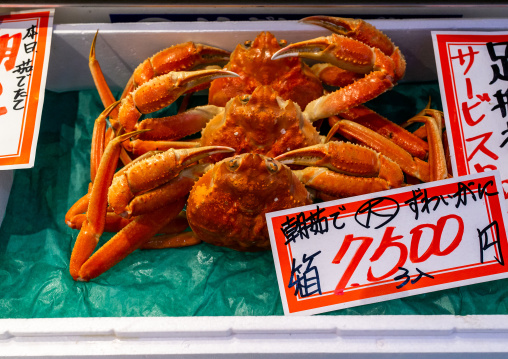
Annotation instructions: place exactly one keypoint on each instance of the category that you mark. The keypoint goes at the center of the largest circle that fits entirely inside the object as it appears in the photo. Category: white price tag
(390, 244)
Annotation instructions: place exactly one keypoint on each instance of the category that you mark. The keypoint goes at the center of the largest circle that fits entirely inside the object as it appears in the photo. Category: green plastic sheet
(204, 280)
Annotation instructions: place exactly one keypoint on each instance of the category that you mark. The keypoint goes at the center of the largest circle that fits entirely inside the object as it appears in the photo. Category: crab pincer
(349, 52)
(162, 91)
(342, 169)
(181, 57)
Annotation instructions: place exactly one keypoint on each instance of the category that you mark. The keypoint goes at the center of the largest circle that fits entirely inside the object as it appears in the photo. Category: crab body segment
(227, 205)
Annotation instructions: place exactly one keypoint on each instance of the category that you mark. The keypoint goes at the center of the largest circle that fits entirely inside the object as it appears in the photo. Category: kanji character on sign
(306, 283)
(498, 74)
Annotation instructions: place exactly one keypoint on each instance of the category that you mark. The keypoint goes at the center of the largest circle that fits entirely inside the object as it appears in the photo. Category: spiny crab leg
(346, 159)
(161, 92)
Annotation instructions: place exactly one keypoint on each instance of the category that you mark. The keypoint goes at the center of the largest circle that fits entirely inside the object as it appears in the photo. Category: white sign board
(390, 244)
(25, 40)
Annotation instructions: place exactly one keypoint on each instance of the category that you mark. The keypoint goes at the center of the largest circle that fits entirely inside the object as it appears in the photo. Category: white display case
(121, 48)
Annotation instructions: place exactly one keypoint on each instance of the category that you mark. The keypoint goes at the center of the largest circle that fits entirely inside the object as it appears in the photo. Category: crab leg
(140, 147)
(115, 223)
(347, 159)
(101, 85)
(370, 119)
(130, 238)
(99, 139)
(177, 240)
(334, 76)
(97, 150)
(339, 185)
(412, 166)
(78, 208)
(437, 158)
(93, 226)
(162, 91)
(180, 125)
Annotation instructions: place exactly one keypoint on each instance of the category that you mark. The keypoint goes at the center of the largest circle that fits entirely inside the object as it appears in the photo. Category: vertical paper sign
(390, 244)
(25, 40)
(473, 77)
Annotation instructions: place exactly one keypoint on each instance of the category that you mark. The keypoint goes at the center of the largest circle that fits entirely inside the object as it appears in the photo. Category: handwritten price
(390, 240)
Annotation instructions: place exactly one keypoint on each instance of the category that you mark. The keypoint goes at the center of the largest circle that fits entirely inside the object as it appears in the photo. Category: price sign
(25, 40)
(473, 76)
(391, 244)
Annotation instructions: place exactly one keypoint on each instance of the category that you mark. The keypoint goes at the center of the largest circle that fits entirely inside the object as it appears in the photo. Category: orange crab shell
(290, 77)
(227, 205)
(260, 123)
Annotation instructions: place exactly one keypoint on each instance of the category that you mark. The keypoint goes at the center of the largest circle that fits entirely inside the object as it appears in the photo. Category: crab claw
(337, 185)
(337, 50)
(357, 47)
(351, 55)
(154, 171)
(364, 32)
(181, 57)
(162, 91)
(348, 159)
(354, 28)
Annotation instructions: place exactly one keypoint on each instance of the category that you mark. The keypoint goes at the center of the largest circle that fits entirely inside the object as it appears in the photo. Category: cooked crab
(149, 192)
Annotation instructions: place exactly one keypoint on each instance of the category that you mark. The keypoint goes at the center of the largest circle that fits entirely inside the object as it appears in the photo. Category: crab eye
(271, 165)
(233, 164)
(244, 99)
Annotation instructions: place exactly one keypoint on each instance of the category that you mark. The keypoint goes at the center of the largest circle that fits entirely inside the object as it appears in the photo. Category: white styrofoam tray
(120, 48)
